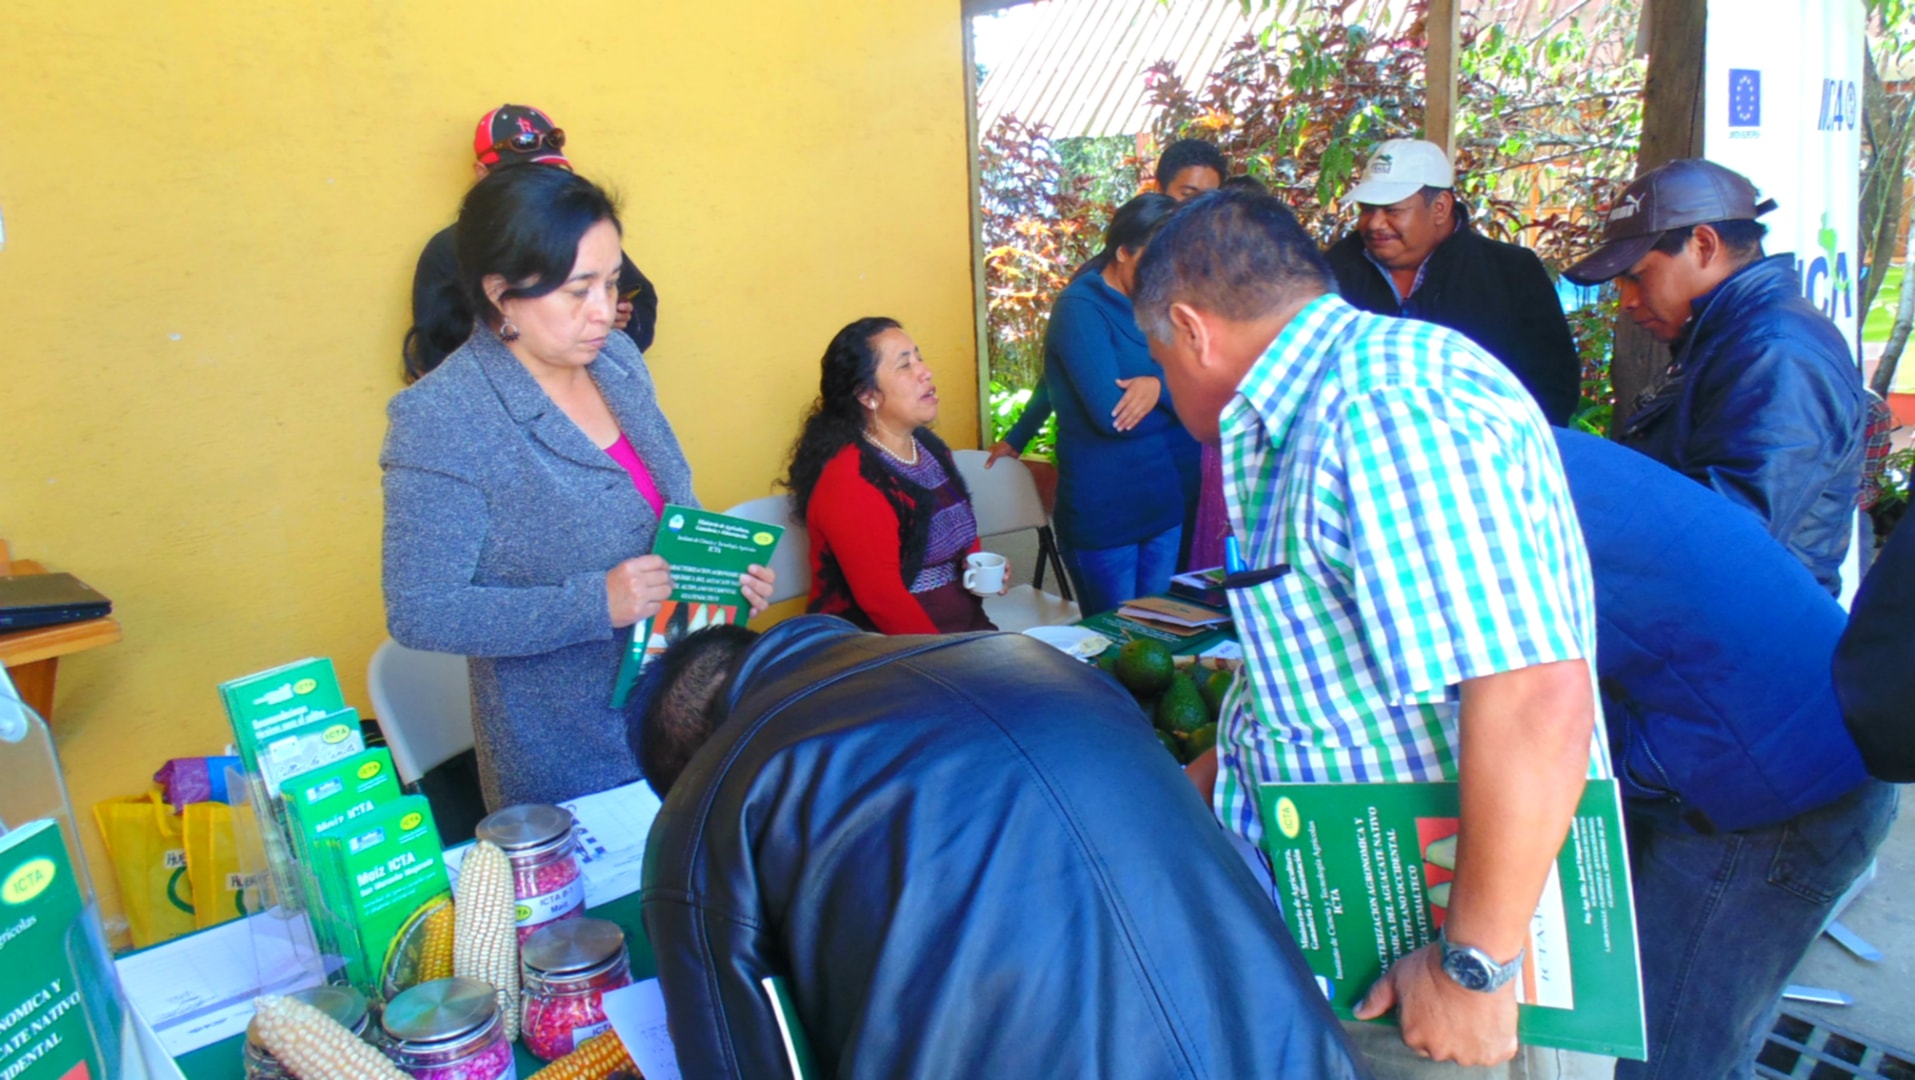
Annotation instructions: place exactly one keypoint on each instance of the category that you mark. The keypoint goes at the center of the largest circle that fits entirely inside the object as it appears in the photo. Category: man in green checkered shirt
(1417, 603)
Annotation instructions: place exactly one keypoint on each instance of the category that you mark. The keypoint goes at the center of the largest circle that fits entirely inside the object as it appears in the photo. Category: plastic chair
(423, 702)
(791, 563)
(1005, 500)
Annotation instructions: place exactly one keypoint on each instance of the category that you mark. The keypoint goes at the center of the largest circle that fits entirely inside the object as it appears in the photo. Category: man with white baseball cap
(1414, 254)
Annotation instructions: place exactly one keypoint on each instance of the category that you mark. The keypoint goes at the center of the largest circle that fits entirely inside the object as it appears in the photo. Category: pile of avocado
(1184, 708)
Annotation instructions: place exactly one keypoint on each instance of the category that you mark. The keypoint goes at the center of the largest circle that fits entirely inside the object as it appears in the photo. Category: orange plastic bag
(144, 842)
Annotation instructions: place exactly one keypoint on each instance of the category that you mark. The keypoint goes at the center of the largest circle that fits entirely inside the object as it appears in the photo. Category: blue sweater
(1113, 487)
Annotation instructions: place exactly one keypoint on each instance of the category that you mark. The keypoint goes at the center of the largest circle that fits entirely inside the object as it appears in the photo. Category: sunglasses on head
(527, 142)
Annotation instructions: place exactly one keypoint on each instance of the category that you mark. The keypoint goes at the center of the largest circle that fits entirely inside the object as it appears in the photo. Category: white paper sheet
(612, 826)
(637, 1013)
(199, 989)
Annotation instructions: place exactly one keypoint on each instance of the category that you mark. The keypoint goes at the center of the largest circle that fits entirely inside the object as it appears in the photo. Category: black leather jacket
(1497, 295)
(1765, 405)
(970, 858)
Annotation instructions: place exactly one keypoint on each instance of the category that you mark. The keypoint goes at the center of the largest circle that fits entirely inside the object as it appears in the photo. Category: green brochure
(1364, 871)
(56, 1001)
(708, 553)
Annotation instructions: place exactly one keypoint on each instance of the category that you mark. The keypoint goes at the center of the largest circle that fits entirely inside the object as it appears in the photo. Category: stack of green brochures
(1364, 871)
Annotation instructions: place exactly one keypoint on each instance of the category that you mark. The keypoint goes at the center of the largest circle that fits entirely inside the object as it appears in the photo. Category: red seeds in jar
(448, 1029)
(546, 880)
(566, 968)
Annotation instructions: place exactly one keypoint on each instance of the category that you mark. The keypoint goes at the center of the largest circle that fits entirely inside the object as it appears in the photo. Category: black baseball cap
(1689, 191)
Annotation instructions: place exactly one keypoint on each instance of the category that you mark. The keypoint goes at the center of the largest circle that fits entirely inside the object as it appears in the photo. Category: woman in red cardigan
(889, 519)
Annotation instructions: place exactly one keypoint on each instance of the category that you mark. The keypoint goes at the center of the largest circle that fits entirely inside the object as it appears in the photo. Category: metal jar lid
(341, 1003)
(571, 950)
(528, 830)
(441, 1016)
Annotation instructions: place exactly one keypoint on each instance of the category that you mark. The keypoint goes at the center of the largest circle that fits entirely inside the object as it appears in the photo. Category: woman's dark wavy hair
(1131, 227)
(836, 419)
(524, 224)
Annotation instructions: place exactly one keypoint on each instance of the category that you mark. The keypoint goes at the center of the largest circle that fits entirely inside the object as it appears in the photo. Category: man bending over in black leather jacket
(967, 856)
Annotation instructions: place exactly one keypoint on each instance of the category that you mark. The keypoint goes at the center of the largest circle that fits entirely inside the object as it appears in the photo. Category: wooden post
(1671, 129)
(1439, 78)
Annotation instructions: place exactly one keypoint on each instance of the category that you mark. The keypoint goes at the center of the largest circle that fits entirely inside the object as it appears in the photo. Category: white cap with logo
(1399, 169)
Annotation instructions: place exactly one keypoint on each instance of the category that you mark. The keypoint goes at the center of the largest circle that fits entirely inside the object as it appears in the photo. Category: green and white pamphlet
(708, 553)
(1364, 871)
(53, 994)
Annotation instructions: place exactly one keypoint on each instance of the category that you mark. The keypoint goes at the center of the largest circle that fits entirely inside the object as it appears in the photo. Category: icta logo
(1838, 293)
(1839, 109)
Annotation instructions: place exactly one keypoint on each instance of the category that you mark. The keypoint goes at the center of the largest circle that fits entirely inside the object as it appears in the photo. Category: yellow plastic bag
(148, 852)
(212, 864)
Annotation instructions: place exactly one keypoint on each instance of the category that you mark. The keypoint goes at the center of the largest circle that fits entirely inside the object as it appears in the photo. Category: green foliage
(1897, 489)
(1007, 404)
(1549, 111)
(1594, 328)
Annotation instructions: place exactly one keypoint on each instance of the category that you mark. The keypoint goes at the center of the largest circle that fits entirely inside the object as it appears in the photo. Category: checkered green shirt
(1414, 490)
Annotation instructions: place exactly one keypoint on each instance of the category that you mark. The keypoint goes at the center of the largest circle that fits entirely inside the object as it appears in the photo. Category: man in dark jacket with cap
(1762, 400)
(1413, 253)
(965, 855)
(508, 136)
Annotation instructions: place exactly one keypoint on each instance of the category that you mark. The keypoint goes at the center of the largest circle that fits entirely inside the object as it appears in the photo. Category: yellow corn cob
(485, 944)
(594, 1059)
(314, 1046)
(435, 951)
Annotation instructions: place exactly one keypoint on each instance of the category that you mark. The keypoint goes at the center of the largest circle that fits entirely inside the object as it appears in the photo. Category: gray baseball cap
(1689, 191)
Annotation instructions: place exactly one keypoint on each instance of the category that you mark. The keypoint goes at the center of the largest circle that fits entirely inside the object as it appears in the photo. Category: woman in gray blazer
(523, 480)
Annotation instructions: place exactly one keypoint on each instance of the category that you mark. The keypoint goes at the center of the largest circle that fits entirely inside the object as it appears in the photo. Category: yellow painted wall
(212, 209)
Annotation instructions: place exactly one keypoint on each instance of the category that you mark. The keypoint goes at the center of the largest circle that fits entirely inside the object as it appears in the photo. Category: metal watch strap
(1494, 975)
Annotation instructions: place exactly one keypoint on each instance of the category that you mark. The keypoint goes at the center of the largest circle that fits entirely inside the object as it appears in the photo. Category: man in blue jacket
(1761, 401)
(1749, 810)
(966, 855)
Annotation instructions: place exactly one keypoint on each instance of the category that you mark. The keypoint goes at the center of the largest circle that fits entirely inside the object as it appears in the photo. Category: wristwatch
(1474, 969)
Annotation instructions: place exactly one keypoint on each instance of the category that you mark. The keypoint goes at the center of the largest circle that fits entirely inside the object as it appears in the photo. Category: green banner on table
(708, 553)
(1365, 869)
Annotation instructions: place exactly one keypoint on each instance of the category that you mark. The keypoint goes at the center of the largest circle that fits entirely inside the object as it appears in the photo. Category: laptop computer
(28, 601)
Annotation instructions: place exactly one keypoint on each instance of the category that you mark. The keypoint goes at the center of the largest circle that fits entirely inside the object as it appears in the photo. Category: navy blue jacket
(1875, 663)
(969, 856)
(1113, 487)
(1765, 406)
(1713, 647)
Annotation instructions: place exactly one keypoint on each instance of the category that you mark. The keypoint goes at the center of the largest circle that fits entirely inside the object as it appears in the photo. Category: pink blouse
(627, 458)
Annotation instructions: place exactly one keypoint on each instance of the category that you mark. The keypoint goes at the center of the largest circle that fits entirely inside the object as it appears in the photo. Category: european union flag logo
(1745, 98)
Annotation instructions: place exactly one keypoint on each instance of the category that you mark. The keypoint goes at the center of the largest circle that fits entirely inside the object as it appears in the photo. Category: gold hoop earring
(508, 332)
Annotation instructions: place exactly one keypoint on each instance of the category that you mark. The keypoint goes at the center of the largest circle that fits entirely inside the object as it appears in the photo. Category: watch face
(1469, 971)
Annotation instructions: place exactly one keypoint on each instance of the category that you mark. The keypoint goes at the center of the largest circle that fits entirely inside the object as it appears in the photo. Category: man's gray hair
(1235, 253)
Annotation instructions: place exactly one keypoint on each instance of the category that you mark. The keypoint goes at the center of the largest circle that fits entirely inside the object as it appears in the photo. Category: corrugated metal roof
(1080, 68)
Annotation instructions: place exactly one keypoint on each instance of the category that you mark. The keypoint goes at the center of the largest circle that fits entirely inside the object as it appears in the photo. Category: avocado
(1181, 710)
(1172, 744)
(1200, 740)
(1145, 667)
(1214, 687)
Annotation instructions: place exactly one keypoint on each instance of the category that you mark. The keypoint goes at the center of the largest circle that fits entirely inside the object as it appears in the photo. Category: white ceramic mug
(984, 573)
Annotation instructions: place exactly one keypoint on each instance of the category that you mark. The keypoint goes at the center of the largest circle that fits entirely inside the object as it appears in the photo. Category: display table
(222, 1060)
(1120, 630)
(32, 657)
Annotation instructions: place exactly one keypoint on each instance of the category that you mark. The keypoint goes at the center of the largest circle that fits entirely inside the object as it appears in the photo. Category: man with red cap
(508, 136)
(1762, 400)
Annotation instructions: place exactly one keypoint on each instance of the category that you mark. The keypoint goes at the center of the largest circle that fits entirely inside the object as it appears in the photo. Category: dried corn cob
(435, 953)
(596, 1058)
(314, 1046)
(485, 944)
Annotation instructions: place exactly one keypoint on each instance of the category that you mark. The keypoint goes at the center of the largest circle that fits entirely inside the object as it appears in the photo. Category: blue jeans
(1724, 919)
(1107, 577)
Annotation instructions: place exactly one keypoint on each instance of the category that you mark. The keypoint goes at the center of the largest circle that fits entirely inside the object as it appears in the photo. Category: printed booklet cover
(1365, 869)
(708, 553)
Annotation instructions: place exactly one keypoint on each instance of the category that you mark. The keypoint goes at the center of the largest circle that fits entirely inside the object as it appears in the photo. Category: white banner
(1783, 107)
